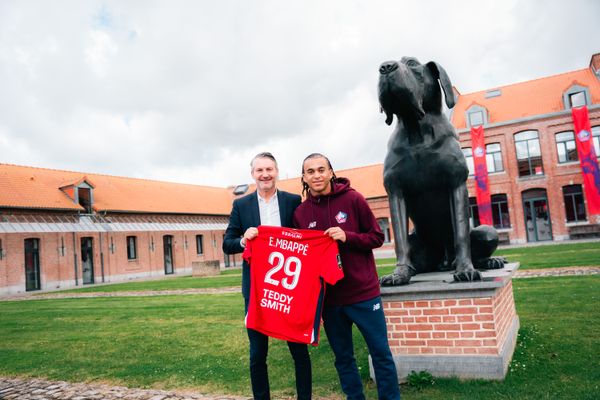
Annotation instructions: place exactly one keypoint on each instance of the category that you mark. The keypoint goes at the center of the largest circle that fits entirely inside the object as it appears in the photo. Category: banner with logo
(587, 158)
(482, 187)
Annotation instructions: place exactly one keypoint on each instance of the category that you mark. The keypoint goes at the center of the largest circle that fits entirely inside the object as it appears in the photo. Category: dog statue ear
(440, 73)
(389, 117)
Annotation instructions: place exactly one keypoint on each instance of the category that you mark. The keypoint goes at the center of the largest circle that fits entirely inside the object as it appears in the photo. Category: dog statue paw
(490, 263)
(466, 275)
(400, 276)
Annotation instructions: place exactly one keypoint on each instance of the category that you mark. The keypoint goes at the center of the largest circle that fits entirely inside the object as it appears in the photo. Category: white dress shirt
(269, 210)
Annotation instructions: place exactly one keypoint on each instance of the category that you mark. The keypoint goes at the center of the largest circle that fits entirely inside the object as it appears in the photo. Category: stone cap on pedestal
(441, 285)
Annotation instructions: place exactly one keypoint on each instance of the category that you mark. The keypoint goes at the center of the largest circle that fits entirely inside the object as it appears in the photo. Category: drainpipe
(75, 259)
(101, 256)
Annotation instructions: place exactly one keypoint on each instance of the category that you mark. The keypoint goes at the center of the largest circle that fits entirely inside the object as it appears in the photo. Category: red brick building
(61, 229)
(534, 172)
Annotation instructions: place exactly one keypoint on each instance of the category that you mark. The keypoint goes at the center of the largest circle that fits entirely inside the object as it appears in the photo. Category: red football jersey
(288, 268)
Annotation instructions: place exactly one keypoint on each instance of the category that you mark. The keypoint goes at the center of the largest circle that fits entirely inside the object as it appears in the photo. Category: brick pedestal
(467, 330)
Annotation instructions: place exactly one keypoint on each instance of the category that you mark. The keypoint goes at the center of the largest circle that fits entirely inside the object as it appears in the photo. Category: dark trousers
(259, 348)
(370, 320)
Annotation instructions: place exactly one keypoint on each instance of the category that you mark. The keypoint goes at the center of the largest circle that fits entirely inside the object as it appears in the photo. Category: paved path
(564, 271)
(39, 389)
(72, 295)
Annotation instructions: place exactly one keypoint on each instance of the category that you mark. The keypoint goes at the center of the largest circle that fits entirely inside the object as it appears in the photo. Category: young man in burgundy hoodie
(333, 206)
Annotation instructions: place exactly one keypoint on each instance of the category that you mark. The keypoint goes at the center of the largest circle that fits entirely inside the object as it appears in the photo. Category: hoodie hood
(340, 186)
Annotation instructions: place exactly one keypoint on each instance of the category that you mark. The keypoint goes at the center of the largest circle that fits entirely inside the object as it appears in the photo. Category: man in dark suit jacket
(265, 206)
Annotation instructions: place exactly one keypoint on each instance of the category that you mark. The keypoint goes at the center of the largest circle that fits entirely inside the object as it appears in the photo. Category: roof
(368, 180)
(526, 99)
(39, 188)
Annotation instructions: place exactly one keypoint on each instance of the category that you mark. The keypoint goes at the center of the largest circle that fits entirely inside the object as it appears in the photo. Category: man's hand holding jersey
(336, 233)
(250, 234)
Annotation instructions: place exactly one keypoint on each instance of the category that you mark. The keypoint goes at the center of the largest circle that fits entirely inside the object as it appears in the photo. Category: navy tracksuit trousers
(370, 320)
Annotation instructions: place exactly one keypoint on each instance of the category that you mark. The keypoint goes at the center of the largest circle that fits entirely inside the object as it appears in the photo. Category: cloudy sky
(189, 91)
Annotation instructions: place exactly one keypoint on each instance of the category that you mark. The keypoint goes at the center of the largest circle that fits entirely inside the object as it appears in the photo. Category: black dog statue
(425, 176)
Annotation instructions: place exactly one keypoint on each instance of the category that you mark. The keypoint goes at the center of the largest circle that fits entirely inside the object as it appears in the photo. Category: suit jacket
(244, 215)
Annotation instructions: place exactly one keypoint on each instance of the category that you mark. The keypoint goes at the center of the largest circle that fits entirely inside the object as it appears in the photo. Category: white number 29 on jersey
(291, 266)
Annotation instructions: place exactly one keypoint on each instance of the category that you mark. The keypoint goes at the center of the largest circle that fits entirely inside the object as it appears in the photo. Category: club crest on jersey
(312, 224)
(341, 217)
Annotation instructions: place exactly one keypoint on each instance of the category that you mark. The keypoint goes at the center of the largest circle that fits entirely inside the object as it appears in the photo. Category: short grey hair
(264, 154)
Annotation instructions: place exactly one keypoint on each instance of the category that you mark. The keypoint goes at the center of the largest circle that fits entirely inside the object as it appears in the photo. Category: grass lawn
(555, 255)
(199, 342)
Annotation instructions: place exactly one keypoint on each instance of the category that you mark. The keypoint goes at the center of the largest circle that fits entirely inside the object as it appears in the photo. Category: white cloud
(99, 52)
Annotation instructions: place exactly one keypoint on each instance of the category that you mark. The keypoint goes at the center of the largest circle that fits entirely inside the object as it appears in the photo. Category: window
(240, 189)
(500, 211)
(199, 244)
(565, 146)
(384, 225)
(576, 96)
(131, 248)
(475, 118)
(596, 139)
(493, 157)
(473, 212)
(468, 152)
(577, 99)
(493, 93)
(529, 155)
(84, 195)
(574, 206)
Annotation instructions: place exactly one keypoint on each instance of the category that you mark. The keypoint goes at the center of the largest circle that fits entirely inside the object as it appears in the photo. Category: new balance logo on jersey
(312, 224)
(376, 306)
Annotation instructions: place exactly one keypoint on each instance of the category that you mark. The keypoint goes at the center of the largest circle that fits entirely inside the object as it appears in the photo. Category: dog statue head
(410, 89)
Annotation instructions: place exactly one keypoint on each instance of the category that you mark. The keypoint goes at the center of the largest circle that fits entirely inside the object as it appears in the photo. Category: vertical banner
(482, 187)
(587, 158)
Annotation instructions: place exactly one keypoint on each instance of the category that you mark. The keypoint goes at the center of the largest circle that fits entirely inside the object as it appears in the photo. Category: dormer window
(476, 116)
(81, 192)
(576, 96)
